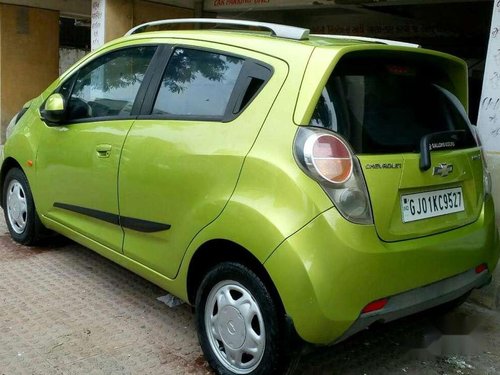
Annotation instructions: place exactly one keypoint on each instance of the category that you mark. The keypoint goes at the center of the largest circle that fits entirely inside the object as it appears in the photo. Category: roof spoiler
(368, 39)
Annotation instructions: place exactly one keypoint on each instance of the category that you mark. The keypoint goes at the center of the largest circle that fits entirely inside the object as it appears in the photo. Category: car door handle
(103, 151)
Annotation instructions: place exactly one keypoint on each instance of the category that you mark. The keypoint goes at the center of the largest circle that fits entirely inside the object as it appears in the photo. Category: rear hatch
(399, 112)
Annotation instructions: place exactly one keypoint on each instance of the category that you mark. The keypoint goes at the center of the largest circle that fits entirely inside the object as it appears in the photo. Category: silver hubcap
(17, 207)
(235, 327)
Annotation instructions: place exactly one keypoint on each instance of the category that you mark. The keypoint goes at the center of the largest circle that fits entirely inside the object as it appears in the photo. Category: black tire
(271, 359)
(24, 224)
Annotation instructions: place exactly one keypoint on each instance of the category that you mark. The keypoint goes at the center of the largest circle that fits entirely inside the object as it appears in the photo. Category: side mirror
(54, 109)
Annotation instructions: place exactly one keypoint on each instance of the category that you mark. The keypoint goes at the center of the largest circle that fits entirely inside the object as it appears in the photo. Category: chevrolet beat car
(284, 184)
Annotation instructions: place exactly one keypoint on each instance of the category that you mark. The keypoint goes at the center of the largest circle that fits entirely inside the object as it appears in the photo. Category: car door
(182, 157)
(77, 160)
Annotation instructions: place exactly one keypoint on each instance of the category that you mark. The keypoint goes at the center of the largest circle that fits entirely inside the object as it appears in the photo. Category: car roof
(265, 43)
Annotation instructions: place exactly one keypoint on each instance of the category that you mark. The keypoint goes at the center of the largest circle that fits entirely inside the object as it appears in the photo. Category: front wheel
(239, 324)
(19, 209)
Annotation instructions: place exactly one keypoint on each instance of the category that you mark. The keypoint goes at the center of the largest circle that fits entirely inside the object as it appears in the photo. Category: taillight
(328, 159)
(486, 178)
(486, 173)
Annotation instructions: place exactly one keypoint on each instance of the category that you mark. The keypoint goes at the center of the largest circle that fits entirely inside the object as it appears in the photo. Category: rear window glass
(387, 106)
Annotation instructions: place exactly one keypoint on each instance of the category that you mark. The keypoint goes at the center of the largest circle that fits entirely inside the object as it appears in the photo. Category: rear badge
(443, 170)
(383, 166)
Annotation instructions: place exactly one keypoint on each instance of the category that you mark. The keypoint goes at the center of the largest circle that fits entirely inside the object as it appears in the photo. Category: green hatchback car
(284, 184)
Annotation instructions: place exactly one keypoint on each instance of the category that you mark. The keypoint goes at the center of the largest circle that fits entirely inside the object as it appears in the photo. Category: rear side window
(197, 83)
(387, 105)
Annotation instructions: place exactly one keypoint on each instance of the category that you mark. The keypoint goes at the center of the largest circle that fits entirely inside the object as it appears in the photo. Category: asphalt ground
(66, 310)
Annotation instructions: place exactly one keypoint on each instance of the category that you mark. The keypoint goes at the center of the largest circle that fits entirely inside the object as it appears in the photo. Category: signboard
(97, 28)
(374, 25)
(238, 5)
(488, 120)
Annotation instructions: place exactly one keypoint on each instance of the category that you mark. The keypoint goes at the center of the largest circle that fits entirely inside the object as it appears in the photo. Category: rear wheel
(239, 325)
(19, 209)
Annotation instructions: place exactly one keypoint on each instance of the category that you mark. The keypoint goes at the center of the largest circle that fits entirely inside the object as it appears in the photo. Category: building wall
(122, 15)
(119, 18)
(29, 56)
(145, 11)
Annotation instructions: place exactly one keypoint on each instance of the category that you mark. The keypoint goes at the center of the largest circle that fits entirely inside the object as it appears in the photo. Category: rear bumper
(421, 299)
(328, 271)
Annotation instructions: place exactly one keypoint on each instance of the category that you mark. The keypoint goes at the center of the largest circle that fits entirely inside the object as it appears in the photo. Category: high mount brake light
(329, 156)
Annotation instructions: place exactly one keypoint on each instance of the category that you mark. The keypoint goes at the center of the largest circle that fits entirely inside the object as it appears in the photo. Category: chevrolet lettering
(384, 166)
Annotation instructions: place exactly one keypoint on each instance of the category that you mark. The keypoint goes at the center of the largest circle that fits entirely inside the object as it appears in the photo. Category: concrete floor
(67, 310)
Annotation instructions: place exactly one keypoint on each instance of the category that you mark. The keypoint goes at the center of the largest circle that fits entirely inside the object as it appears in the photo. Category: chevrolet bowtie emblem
(443, 170)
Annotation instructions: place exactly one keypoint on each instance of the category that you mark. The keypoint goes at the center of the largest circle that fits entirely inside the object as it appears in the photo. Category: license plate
(431, 204)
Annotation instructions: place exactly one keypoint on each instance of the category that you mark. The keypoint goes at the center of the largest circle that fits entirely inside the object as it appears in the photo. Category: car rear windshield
(386, 105)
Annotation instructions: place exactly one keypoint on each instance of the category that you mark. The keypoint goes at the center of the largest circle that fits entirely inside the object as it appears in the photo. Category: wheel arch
(7, 165)
(217, 251)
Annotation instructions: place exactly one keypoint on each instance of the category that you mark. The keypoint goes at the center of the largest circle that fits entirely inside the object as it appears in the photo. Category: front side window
(107, 87)
(197, 83)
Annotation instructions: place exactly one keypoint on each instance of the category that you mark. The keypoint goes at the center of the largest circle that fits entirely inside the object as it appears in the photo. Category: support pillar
(488, 121)
(111, 19)
(29, 56)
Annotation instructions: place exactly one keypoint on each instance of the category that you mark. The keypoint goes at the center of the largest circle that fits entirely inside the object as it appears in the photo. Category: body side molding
(126, 222)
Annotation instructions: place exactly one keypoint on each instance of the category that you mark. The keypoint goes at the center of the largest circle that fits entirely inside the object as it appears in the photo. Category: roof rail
(368, 39)
(282, 31)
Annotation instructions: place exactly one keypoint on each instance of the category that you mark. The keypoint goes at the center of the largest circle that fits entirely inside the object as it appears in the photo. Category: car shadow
(430, 338)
